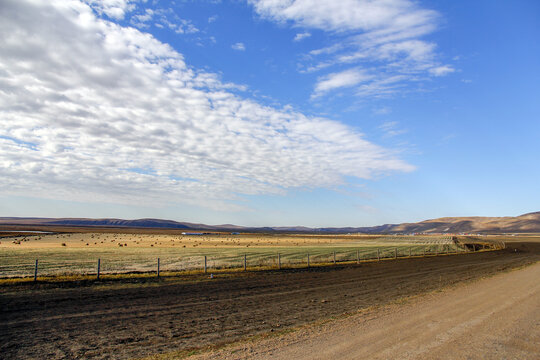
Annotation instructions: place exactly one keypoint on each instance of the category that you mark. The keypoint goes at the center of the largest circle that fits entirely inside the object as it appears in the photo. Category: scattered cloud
(85, 101)
(384, 36)
(114, 9)
(212, 19)
(302, 36)
(238, 46)
(178, 25)
(185, 27)
(161, 18)
(141, 20)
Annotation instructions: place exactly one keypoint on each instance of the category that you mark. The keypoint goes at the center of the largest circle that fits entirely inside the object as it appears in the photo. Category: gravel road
(493, 318)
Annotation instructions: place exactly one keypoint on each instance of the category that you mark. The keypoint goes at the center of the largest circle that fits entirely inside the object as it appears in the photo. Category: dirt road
(122, 322)
(494, 318)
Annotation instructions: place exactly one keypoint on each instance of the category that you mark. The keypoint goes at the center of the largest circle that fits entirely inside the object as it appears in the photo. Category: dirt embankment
(127, 322)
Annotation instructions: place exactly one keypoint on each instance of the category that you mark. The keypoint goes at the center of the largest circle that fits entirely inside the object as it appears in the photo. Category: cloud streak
(93, 111)
(384, 37)
(342, 79)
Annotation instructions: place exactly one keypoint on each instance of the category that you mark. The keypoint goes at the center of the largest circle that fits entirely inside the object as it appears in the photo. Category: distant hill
(527, 223)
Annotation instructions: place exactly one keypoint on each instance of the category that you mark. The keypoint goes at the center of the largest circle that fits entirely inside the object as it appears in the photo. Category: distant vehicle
(192, 233)
(235, 233)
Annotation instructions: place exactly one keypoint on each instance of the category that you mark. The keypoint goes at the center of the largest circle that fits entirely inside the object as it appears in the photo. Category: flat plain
(78, 253)
(187, 313)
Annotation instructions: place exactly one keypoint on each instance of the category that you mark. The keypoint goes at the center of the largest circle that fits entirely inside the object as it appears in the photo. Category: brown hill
(527, 223)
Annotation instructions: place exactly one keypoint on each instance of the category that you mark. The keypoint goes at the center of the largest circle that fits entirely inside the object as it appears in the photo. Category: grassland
(78, 253)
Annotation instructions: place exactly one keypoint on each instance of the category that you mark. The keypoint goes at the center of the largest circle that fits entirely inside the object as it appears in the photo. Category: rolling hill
(527, 223)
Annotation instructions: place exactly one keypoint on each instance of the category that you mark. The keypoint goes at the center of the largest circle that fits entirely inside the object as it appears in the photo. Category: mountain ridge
(526, 223)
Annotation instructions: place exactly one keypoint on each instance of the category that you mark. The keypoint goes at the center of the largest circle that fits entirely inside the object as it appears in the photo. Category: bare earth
(128, 319)
(494, 318)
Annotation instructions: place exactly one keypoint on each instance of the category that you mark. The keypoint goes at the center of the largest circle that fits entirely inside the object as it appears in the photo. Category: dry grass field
(78, 253)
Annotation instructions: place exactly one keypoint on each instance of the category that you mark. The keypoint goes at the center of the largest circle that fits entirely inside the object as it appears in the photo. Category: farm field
(78, 253)
(177, 317)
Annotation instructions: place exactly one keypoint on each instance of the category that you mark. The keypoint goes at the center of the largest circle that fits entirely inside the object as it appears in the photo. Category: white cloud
(385, 36)
(238, 46)
(162, 18)
(179, 26)
(383, 86)
(211, 19)
(115, 9)
(342, 79)
(302, 36)
(185, 27)
(346, 15)
(141, 20)
(92, 111)
(442, 70)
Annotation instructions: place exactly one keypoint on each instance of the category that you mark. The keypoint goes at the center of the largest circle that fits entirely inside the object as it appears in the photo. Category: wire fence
(208, 260)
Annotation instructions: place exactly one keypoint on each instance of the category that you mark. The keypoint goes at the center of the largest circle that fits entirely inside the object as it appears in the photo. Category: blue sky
(259, 112)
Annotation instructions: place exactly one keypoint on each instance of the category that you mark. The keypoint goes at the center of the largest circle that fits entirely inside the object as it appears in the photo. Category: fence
(217, 260)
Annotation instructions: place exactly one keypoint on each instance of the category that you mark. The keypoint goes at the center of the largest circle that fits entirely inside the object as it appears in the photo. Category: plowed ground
(117, 321)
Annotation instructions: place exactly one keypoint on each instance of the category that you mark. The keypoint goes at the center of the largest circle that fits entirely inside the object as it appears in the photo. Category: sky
(270, 112)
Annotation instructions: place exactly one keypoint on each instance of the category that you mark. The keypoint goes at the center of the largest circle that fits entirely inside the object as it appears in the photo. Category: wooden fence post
(279, 261)
(35, 271)
(395, 253)
(205, 269)
(357, 256)
(245, 262)
(410, 252)
(334, 258)
(378, 255)
(98, 267)
(158, 267)
(308, 260)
